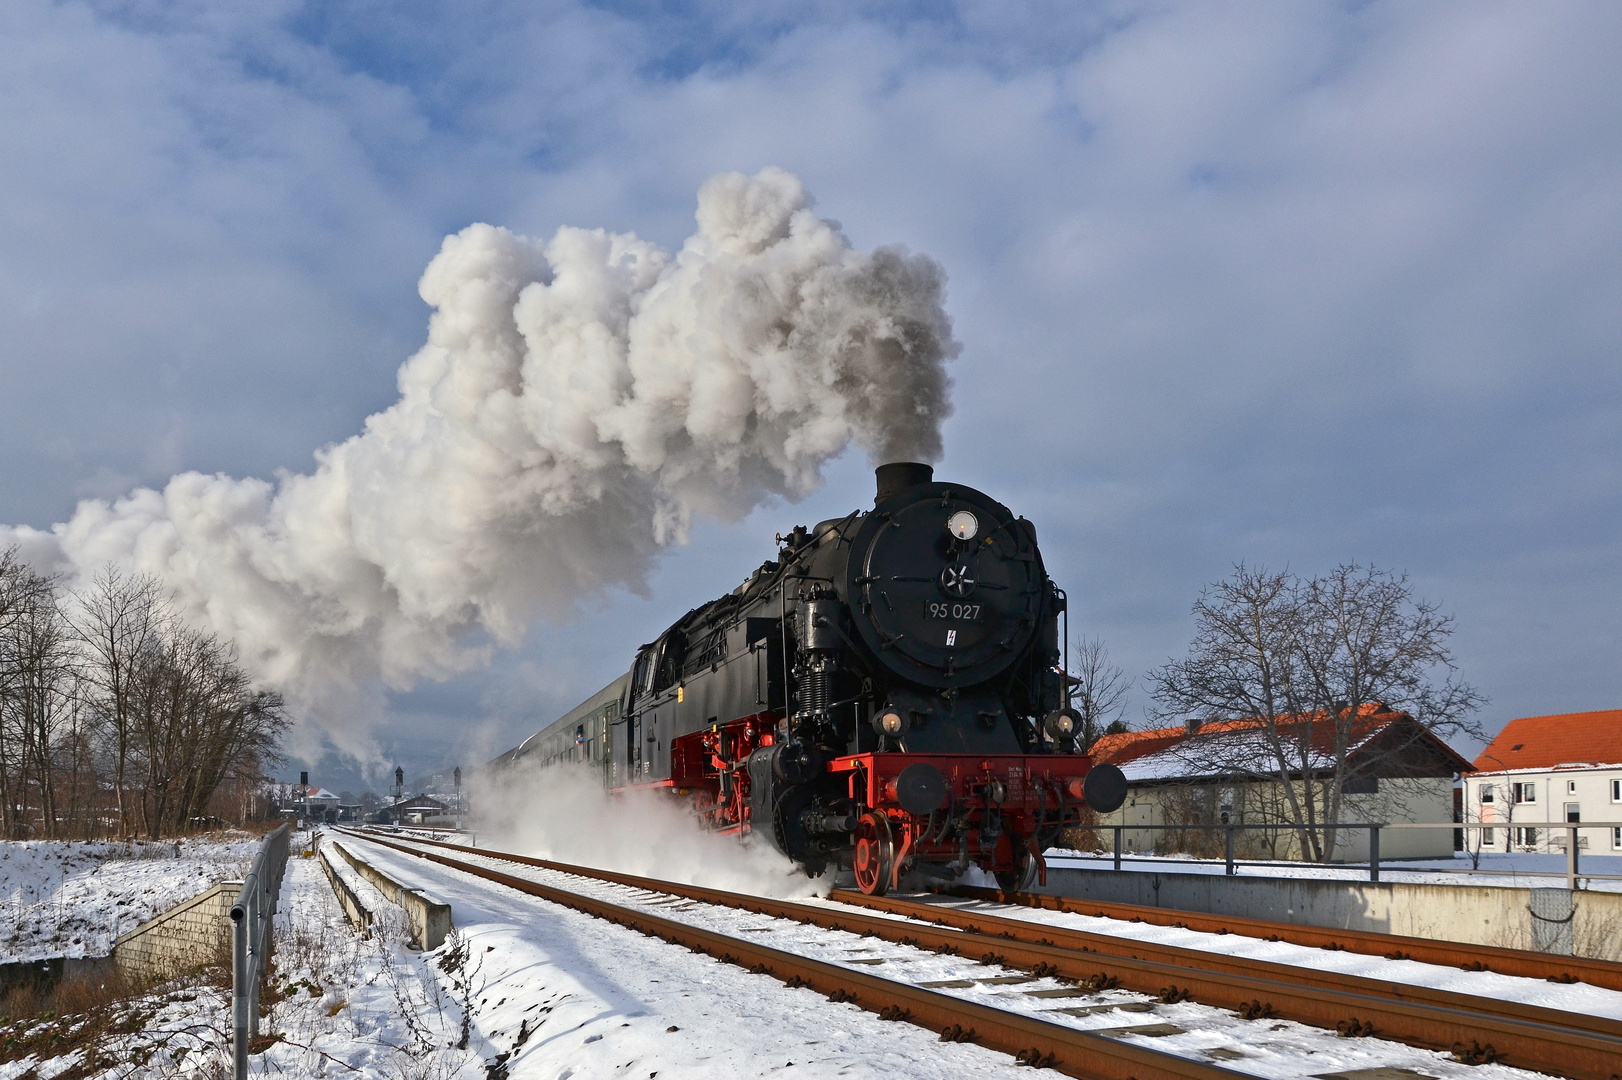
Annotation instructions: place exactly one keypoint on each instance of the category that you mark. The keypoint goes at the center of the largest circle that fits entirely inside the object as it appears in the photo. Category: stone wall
(184, 938)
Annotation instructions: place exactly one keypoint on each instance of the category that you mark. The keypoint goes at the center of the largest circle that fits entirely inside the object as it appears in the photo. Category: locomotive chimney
(898, 476)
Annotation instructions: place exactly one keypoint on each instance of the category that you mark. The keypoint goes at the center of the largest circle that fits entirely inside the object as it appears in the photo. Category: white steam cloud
(578, 401)
(564, 814)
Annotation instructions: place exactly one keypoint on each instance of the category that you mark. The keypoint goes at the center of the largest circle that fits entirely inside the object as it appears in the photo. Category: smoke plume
(578, 401)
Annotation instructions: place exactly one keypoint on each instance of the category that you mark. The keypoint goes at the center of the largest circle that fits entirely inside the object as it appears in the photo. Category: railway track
(1030, 1040)
(1521, 962)
(1475, 1030)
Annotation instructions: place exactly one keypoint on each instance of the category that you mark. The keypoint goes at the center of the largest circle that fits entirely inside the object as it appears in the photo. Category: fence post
(240, 978)
(1374, 853)
(1571, 857)
(1117, 847)
(250, 938)
(1229, 846)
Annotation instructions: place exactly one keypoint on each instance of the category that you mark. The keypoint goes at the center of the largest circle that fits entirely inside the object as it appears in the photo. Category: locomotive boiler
(885, 695)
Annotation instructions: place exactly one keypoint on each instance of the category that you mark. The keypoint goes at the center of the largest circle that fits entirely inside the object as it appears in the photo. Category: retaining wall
(43, 975)
(1473, 914)
(428, 916)
(183, 938)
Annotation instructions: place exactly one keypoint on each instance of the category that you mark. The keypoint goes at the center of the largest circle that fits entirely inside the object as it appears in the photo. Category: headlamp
(1060, 724)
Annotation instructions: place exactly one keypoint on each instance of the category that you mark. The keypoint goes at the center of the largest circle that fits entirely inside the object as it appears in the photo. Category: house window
(1571, 787)
(1525, 793)
(1360, 785)
(1489, 837)
(1525, 838)
(1486, 793)
(1616, 837)
(1616, 790)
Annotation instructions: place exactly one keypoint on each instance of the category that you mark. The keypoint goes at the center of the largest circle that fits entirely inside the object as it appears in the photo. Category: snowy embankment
(72, 898)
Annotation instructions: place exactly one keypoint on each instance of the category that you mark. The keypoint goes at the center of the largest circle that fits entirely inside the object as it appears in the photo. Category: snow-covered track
(1519, 962)
(1032, 1041)
(1160, 959)
(1474, 1029)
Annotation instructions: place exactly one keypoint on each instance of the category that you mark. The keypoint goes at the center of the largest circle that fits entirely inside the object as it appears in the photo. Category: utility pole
(399, 782)
(458, 777)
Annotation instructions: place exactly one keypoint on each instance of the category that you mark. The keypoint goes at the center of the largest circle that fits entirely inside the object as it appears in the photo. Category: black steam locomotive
(884, 695)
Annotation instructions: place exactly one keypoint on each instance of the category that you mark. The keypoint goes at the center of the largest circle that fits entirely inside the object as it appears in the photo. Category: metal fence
(251, 918)
(1571, 844)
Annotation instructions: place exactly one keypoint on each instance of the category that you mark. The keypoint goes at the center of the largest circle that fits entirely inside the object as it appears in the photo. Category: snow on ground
(171, 1034)
(551, 993)
(72, 898)
(1574, 997)
(1522, 870)
(347, 1005)
(569, 995)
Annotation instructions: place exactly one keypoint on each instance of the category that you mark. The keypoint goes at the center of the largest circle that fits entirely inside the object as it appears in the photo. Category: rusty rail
(1032, 1041)
(1473, 1029)
(1522, 962)
(998, 927)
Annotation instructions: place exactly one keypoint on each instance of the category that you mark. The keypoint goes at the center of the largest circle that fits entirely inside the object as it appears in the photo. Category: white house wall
(1591, 789)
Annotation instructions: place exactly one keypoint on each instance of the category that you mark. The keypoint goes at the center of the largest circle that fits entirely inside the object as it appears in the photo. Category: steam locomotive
(884, 696)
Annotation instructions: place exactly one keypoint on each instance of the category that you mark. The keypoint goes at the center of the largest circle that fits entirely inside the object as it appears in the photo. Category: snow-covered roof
(1242, 747)
(1564, 767)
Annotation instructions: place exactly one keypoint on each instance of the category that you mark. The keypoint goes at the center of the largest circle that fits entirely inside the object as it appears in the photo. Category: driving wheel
(875, 854)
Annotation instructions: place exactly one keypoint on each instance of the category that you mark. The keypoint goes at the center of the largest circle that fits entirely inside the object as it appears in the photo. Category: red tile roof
(1373, 718)
(1545, 742)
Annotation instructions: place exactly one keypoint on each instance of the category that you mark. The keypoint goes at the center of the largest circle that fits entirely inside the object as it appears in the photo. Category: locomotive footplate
(941, 813)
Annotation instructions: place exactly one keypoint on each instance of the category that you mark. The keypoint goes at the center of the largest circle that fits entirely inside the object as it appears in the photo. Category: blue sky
(1293, 284)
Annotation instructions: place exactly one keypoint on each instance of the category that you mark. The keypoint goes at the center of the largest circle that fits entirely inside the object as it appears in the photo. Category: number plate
(954, 611)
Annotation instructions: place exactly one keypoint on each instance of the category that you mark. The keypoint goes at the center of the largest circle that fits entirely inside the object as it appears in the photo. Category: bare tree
(1305, 662)
(117, 619)
(39, 698)
(196, 720)
(1098, 692)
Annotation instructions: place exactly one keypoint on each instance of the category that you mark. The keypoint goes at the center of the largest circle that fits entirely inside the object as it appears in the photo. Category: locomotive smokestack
(898, 476)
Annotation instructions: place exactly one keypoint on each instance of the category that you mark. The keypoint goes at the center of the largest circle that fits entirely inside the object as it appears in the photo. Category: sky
(1292, 284)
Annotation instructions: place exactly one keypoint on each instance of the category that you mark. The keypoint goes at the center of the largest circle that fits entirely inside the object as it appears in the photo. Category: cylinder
(898, 476)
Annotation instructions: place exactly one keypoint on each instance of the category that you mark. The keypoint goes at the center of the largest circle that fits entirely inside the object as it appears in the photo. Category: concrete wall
(429, 917)
(354, 909)
(1467, 913)
(184, 938)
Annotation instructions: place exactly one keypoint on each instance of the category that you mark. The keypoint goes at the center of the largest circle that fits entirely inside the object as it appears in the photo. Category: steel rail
(996, 926)
(1522, 962)
(1068, 1050)
(1464, 1025)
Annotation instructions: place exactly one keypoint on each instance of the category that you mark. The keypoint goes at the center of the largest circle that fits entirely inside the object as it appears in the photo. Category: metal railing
(1571, 844)
(251, 918)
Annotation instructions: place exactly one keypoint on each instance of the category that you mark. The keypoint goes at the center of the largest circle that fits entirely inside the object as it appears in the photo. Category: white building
(1543, 772)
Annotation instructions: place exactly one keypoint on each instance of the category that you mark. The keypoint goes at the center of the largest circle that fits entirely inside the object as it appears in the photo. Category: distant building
(417, 810)
(1548, 770)
(1397, 771)
(313, 803)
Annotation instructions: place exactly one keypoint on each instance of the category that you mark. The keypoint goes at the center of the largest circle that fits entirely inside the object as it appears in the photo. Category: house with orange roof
(1227, 773)
(1544, 771)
